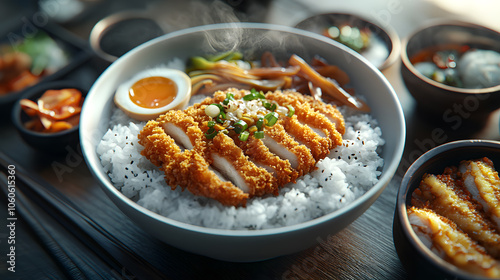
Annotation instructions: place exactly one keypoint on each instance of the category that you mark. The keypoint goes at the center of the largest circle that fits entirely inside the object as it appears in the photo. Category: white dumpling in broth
(480, 68)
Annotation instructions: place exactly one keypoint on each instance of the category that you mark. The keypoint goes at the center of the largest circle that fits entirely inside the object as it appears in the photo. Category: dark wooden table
(52, 250)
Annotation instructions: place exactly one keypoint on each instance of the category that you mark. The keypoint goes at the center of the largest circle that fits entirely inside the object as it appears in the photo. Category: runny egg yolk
(153, 92)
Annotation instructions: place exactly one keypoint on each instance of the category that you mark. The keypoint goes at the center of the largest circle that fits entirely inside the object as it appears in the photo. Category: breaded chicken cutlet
(240, 144)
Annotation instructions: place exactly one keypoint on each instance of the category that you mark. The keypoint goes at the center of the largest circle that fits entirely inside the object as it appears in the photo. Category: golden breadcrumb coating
(329, 110)
(305, 160)
(260, 154)
(308, 115)
(319, 146)
(259, 169)
(256, 178)
(188, 168)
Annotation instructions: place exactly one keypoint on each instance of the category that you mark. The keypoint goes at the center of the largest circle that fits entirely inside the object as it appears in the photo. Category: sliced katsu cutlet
(263, 157)
(280, 147)
(229, 168)
(325, 119)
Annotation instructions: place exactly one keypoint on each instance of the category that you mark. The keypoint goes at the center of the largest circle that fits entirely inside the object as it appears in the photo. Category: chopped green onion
(211, 133)
(258, 134)
(221, 117)
(229, 97)
(271, 118)
(258, 94)
(269, 106)
(244, 136)
(211, 124)
(291, 111)
(260, 123)
(249, 97)
(240, 126)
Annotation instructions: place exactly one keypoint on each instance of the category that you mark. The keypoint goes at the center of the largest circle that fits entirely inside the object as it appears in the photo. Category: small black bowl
(386, 37)
(78, 52)
(418, 260)
(47, 142)
(444, 102)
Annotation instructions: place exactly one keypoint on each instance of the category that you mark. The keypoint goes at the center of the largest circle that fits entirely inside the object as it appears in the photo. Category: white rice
(348, 172)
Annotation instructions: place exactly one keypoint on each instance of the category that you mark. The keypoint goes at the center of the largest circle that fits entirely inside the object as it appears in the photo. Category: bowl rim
(88, 149)
(103, 26)
(39, 89)
(403, 192)
(437, 23)
(395, 48)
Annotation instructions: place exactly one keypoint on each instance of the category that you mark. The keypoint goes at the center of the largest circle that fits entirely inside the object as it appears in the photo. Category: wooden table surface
(363, 250)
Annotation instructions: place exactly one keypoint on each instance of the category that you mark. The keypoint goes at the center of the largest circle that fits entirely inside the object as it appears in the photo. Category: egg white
(181, 79)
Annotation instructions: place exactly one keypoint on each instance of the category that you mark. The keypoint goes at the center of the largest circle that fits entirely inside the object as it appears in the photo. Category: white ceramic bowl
(243, 245)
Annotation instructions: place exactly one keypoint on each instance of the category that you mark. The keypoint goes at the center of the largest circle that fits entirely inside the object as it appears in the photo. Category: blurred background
(80, 16)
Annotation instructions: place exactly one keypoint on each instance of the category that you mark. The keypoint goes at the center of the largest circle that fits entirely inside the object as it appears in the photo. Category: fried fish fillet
(442, 194)
(482, 181)
(453, 245)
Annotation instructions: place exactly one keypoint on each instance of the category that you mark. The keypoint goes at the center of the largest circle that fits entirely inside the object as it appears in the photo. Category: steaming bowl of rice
(269, 227)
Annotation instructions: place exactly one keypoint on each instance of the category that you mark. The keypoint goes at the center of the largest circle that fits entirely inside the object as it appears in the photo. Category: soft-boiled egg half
(153, 92)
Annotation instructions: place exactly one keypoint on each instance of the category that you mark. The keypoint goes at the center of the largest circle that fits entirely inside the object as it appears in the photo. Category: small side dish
(460, 66)
(25, 62)
(355, 38)
(54, 111)
(456, 214)
(380, 45)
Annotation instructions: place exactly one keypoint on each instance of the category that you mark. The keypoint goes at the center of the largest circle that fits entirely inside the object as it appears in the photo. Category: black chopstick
(112, 251)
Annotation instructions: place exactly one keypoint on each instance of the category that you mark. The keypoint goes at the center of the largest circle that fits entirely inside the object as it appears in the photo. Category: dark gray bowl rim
(435, 23)
(401, 209)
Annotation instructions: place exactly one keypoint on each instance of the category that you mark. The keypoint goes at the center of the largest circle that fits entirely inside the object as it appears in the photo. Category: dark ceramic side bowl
(47, 142)
(78, 51)
(418, 260)
(443, 100)
(385, 34)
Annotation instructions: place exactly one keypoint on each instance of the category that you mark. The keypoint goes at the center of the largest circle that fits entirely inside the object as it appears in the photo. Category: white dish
(243, 245)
